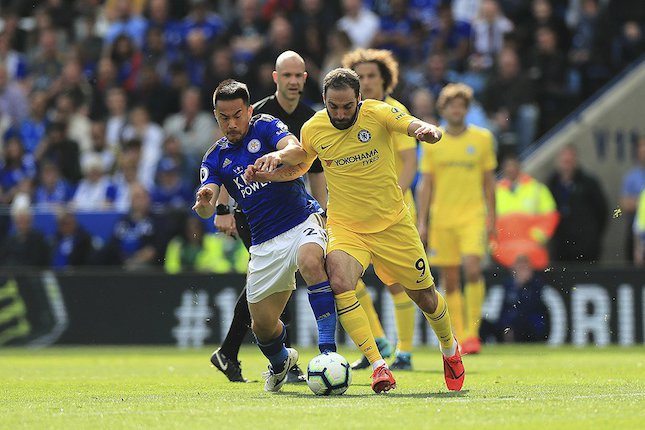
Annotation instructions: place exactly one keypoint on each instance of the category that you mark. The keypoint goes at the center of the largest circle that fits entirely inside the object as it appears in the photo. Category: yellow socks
(365, 299)
(455, 303)
(440, 323)
(354, 320)
(474, 292)
(404, 313)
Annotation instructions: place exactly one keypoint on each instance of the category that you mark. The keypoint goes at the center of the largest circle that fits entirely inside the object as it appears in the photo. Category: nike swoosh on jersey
(325, 147)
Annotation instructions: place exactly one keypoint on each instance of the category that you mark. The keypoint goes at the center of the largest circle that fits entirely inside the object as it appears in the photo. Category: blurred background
(105, 113)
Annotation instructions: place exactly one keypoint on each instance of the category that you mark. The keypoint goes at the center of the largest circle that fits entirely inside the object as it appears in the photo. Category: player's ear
(275, 77)
(305, 74)
(250, 111)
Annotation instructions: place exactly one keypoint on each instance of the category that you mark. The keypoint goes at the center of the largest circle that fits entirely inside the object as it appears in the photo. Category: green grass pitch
(507, 387)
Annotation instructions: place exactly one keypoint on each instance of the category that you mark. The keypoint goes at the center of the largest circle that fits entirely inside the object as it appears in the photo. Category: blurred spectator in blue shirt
(13, 102)
(134, 241)
(128, 60)
(72, 245)
(52, 189)
(399, 32)
(17, 171)
(13, 61)
(633, 186)
(32, 130)
(127, 22)
(451, 36)
(524, 316)
(201, 18)
(170, 191)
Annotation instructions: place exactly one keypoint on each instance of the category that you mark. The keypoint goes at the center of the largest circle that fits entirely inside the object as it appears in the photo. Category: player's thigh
(351, 243)
(272, 269)
(443, 247)
(267, 311)
(311, 246)
(472, 239)
(399, 258)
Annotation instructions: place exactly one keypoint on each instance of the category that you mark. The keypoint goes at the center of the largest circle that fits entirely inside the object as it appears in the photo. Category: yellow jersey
(457, 167)
(359, 165)
(403, 142)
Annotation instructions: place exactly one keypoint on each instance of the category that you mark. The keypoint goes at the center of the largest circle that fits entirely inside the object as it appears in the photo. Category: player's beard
(344, 124)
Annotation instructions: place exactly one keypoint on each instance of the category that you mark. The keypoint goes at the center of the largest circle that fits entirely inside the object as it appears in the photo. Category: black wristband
(222, 209)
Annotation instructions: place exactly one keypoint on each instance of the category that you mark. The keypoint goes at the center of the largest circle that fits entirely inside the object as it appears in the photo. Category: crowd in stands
(106, 104)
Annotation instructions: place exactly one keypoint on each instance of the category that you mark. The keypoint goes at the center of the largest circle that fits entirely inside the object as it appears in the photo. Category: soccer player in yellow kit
(378, 72)
(368, 220)
(457, 191)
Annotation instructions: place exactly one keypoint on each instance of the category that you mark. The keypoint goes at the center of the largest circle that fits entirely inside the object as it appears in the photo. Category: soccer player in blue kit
(287, 229)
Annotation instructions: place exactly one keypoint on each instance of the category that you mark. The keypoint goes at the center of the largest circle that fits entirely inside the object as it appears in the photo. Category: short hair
(384, 60)
(453, 91)
(341, 78)
(231, 89)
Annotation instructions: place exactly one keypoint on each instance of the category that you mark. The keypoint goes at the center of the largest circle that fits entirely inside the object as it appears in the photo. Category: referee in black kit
(289, 76)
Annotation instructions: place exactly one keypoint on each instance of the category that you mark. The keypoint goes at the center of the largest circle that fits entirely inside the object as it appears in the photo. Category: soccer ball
(329, 373)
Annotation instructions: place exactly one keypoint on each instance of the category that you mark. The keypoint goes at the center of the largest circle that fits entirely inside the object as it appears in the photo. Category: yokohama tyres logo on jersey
(364, 158)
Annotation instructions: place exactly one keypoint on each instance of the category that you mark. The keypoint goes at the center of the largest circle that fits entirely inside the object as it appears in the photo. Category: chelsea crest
(364, 136)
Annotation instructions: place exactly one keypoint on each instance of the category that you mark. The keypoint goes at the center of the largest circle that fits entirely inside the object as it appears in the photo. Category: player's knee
(426, 299)
(312, 268)
(261, 330)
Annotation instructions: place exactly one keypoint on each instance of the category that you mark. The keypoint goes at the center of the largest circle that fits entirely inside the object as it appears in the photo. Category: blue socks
(321, 299)
(275, 351)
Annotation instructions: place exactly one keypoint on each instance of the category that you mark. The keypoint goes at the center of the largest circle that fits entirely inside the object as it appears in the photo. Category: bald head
(288, 57)
(289, 76)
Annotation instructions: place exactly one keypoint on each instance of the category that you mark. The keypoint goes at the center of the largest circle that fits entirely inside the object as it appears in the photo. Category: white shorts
(274, 263)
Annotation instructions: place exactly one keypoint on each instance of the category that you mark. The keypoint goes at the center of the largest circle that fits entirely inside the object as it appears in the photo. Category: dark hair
(341, 78)
(384, 60)
(231, 89)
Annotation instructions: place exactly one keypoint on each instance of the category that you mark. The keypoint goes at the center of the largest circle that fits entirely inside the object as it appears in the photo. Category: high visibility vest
(526, 219)
(639, 222)
(215, 255)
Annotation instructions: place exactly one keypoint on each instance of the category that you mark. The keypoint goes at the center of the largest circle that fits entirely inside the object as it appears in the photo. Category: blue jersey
(270, 207)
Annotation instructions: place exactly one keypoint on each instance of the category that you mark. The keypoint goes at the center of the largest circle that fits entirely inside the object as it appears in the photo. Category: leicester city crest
(364, 136)
(253, 146)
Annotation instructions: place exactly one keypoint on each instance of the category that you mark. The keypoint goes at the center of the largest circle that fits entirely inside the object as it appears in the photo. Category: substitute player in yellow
(457, 191)
(378, 72)
(368, 220)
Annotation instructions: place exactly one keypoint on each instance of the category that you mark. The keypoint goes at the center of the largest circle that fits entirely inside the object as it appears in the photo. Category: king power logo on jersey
(246, 188)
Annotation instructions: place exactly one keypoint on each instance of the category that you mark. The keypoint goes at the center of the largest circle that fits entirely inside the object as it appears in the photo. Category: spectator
(628, 45)
(13, 103)
(26, 246)
(99, 148)
(435, 77)
(524, 316)
(639, 232)
(423, 105)
(154, 95)
(117, 104)
(339, 44)
(219, 68)
(52, 189)
(78, 125)
(312, 24)
(548, 70)
(151, 137)
(583, 211)
(17, 36)
(543, 15)
(13, 61)
(17, 172)
(633, 186)
(509, 100)
(73, 83)
(451, 36)
(45, 65)
(195, 56)
(133, 243)
(60, 149)
(72, 244)
(127, 23)
(489, 29)
(170, 191)
(196, 129)
(202, 19)
(195, 250)
(526, 217)
(169, 30)
(105, 79)
(128, 60)
(126, 175)
(399, 31)
(94, 190)
(32, 129)
(157, 56)
(246, 32)
(360, 23)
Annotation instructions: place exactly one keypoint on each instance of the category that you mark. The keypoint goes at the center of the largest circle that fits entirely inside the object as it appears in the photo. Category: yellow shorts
(396, 253)
(449, 244)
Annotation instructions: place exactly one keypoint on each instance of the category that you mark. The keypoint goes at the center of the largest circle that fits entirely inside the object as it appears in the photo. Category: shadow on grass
(395, 393)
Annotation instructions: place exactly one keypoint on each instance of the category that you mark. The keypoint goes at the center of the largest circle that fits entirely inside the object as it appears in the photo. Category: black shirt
(294, 120)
